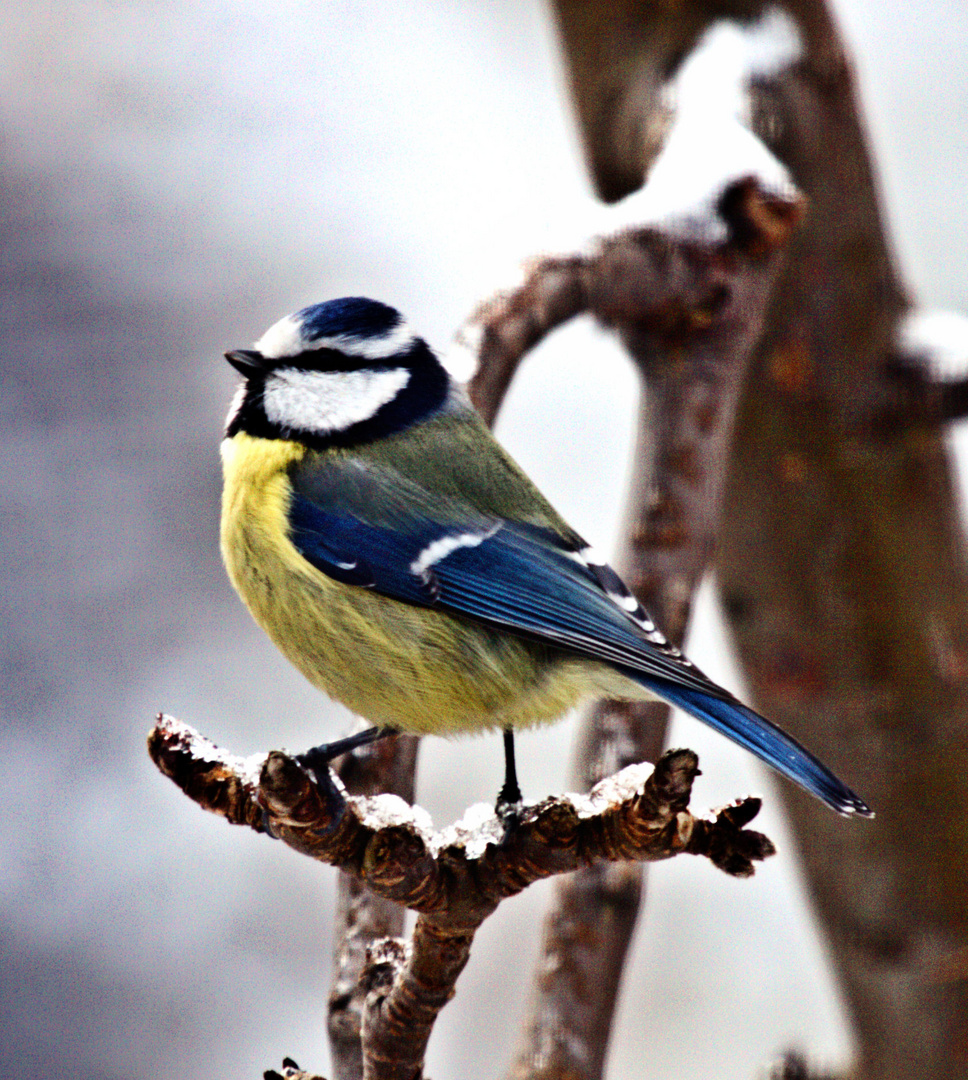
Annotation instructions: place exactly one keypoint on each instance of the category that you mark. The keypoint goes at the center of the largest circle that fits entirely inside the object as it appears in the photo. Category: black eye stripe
(336, 360)
(328, 360)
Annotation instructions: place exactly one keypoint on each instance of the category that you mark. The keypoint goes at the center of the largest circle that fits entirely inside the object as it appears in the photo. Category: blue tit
(406, 565)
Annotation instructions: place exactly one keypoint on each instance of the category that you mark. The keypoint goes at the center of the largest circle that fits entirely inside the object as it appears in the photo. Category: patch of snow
(709, 145)
(940, 338)
(390, 811)
(478, 828)
(613, 790)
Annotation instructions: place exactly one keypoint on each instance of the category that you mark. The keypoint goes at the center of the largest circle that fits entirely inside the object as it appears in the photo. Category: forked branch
(456, 878)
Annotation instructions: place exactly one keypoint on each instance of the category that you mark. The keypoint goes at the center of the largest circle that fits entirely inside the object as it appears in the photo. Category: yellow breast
(394, 663)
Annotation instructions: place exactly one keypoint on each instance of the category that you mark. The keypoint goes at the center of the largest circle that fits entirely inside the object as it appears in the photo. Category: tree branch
(456, 878)
(842, 557)
(689, 312)
(508, 325)
(363, 918)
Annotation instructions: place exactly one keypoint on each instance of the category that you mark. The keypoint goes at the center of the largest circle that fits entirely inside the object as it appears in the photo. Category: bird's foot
(509, 805)
(318, 758)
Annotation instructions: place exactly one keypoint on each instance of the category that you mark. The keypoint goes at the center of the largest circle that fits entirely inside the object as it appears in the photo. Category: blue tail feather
(765, 740)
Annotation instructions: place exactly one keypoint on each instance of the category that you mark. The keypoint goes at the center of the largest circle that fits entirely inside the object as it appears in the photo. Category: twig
(454, 879)
(362, 918)
(290, 1071)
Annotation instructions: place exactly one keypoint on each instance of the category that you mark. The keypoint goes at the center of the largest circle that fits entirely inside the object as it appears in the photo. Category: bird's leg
(318, 758)
(510, 792)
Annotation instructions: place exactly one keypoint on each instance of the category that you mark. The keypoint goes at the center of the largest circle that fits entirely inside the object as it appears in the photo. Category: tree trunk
(841, 559)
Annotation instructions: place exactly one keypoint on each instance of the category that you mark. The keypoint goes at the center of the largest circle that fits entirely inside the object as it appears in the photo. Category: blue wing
(361, 527)
(519, 577)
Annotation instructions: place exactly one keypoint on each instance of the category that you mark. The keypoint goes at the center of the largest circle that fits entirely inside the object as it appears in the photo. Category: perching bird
(406, 565)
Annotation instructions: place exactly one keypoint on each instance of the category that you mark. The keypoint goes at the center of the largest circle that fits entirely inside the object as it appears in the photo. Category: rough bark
(841, 558)
(363, 918)
(689, 313)
(455, 880)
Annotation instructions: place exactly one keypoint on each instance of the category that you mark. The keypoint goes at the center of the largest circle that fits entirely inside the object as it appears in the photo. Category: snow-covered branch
(461, 873)
(456, 877)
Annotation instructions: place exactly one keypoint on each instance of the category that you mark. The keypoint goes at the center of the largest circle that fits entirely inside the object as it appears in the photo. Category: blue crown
(354, 315)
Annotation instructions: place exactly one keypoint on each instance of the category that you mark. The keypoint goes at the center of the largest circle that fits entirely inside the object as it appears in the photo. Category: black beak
(247, 362)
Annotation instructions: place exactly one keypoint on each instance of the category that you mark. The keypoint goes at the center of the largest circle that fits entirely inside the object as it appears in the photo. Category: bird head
(339, 373)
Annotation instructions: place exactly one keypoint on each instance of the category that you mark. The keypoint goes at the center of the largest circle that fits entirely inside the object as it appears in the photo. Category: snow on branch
(927, 370)
(465, 870)
(709, 145)
(642, 280)
(455, 878)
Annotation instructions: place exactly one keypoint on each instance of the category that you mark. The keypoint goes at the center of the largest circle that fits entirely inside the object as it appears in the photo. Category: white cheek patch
(328, 401)
(288, 338)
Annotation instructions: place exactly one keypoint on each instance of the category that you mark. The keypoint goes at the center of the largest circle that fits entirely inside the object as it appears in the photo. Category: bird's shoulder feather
(444, 538)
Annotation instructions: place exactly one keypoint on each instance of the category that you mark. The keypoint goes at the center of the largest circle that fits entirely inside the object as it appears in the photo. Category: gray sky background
(176, 176)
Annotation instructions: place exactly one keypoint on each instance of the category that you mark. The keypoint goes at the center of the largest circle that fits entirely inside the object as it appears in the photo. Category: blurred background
(175, 177)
